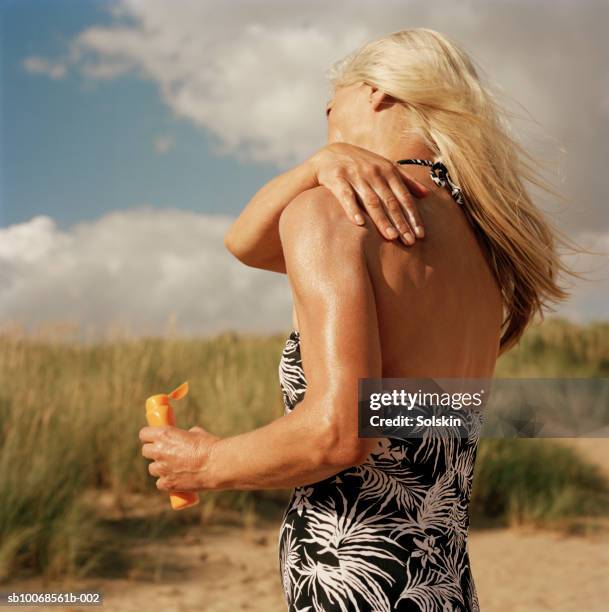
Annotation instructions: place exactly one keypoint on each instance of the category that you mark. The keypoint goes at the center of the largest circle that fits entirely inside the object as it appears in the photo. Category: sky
(133, 131)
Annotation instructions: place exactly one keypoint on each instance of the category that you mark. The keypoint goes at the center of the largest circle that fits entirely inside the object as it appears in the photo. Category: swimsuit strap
(439, 175)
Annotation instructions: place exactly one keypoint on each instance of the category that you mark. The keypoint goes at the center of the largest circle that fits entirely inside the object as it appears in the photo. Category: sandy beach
(224, 568)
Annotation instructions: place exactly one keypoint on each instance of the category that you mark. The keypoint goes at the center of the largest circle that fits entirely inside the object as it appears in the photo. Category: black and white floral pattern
(387, 535)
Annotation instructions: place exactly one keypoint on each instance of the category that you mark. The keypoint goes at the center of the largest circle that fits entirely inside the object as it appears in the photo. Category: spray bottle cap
(162, 399)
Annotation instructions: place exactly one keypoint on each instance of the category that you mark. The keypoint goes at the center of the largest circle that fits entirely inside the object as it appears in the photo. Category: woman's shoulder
(319, 201)
(317, 209)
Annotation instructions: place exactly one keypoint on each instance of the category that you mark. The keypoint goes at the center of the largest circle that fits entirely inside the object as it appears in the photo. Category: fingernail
(359, 219)
(408, 238)
(419, 231)
(391, 232)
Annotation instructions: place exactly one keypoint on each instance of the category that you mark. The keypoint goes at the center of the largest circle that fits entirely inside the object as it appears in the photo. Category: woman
(381, 524)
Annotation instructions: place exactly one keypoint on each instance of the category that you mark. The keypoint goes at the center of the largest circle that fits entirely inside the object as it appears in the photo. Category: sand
(224, 569)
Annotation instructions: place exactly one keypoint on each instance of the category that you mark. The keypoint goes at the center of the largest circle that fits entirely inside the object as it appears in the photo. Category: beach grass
(70, 414)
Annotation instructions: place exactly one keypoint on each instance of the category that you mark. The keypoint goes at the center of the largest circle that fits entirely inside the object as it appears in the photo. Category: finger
(394, 211)
(153, 469)
(416, 189)
(149, 434)
(161, 484)
(374, 207)
(148, 451)
(344, 193)
(397, 185)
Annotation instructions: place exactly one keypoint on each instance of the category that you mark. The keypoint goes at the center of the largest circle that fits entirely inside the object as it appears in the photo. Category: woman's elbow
(340, 450)
(236, 248)
(230, 243)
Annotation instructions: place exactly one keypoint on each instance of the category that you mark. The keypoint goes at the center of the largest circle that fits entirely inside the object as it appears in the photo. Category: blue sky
(129, 123)
(68, 153)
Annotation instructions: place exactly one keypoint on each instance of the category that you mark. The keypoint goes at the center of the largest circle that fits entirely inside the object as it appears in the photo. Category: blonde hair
(461, 120)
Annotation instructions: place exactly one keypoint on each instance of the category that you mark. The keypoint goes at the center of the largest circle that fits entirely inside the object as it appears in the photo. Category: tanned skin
(366, 306)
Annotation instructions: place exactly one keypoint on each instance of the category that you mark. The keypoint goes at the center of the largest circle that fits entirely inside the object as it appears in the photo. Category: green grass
(70, 416)
(558, 348)
(534, 481)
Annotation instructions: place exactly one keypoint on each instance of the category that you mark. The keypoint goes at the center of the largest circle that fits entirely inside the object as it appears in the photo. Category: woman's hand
(179, 457)
(384, 189)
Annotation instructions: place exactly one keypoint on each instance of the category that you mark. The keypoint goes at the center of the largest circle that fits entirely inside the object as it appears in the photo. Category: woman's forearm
(254, 237)
(294, 450)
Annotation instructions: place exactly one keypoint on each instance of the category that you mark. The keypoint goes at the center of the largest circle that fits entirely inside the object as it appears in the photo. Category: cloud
(260, 91)
(253, 73)
(136, 269)
(164, 144)
(40, 65)
(142, 268)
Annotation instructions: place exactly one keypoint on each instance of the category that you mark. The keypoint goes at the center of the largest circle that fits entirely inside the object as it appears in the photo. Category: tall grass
(70, 415)
(558, 348)
(534, 481)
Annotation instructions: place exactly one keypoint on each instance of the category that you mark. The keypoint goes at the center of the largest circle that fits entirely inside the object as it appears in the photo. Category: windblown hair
(461, 120)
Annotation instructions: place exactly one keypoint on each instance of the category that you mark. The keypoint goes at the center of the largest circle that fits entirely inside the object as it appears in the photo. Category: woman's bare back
(439, 307)
(401, 513)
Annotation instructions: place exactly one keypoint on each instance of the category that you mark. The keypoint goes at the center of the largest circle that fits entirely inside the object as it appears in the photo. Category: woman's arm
(384, 189)
(336, 310)
(254, 237)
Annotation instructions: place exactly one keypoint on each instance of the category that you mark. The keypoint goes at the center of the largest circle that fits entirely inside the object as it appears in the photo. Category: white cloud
(260, 91)
(136, 269)
(252, 73)
(40, 65)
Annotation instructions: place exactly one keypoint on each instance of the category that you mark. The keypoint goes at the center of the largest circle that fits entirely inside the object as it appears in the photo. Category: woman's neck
(397, 148)
(401, 148)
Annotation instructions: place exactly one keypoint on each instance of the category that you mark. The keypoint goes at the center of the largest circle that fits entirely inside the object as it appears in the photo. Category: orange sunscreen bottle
(160, 414)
